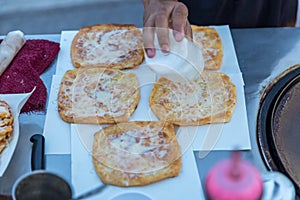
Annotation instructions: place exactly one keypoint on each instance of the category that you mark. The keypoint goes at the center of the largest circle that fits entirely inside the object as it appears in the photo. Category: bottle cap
(233, 179)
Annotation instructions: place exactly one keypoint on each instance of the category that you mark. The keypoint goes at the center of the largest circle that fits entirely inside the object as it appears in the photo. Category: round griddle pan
(278, 125)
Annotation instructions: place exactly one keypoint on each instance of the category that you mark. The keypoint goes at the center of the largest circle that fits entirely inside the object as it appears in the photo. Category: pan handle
(38, 152)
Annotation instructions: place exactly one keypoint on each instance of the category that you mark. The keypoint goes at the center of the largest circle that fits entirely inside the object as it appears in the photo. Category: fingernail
(150, 53)
(165, 48)
(178, 37)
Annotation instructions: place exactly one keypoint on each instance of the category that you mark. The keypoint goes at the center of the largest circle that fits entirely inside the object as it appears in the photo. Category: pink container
(234, 179)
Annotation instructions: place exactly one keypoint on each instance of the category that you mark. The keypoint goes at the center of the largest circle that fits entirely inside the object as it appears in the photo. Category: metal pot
(40, 184)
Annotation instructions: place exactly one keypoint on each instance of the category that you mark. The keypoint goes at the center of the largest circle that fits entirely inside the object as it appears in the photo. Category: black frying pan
(278, 125)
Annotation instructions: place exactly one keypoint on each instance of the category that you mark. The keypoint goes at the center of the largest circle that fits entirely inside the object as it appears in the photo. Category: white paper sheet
(84, 178)
(229, 62)
(229, 66)
(56, 128)
(233, 135)
(56, 131)
(16, 102)
(227, 136)
(64, 61)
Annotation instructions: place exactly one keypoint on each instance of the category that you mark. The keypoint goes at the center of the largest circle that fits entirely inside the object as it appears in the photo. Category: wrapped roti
(9, 47)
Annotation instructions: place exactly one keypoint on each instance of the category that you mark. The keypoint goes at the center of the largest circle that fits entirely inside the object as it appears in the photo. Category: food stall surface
(262, 54)
(260, 61)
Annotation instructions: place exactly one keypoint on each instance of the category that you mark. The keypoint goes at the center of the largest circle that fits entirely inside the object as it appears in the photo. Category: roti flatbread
(209, 41)
(136, 153)
(210, 98)
(108, 45)
(97, 96)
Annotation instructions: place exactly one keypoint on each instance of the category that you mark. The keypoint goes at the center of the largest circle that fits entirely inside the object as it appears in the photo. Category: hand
(159, 15)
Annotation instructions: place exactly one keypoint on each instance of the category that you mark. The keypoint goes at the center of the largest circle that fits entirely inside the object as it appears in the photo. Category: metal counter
(262, 54)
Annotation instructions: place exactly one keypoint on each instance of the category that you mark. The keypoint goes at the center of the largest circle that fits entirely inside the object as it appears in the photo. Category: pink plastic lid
(234, 179)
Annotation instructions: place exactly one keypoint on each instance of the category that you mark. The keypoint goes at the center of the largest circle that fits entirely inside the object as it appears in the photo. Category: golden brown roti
(6, 125)
(97, 96)
(211, 44)
(108, 45)
(210, 98)
(136, 153)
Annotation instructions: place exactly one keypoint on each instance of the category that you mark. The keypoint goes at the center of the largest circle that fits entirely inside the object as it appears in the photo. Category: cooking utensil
(40, 184)
(278, 127)
(92, 192)
(38, 152)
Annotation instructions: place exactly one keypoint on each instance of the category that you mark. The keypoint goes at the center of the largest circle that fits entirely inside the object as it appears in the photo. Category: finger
(162, 31)
(148, 39)
(179, 19)
(188, 31)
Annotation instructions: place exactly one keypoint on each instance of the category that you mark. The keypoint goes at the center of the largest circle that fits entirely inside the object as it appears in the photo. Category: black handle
(38, 152)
